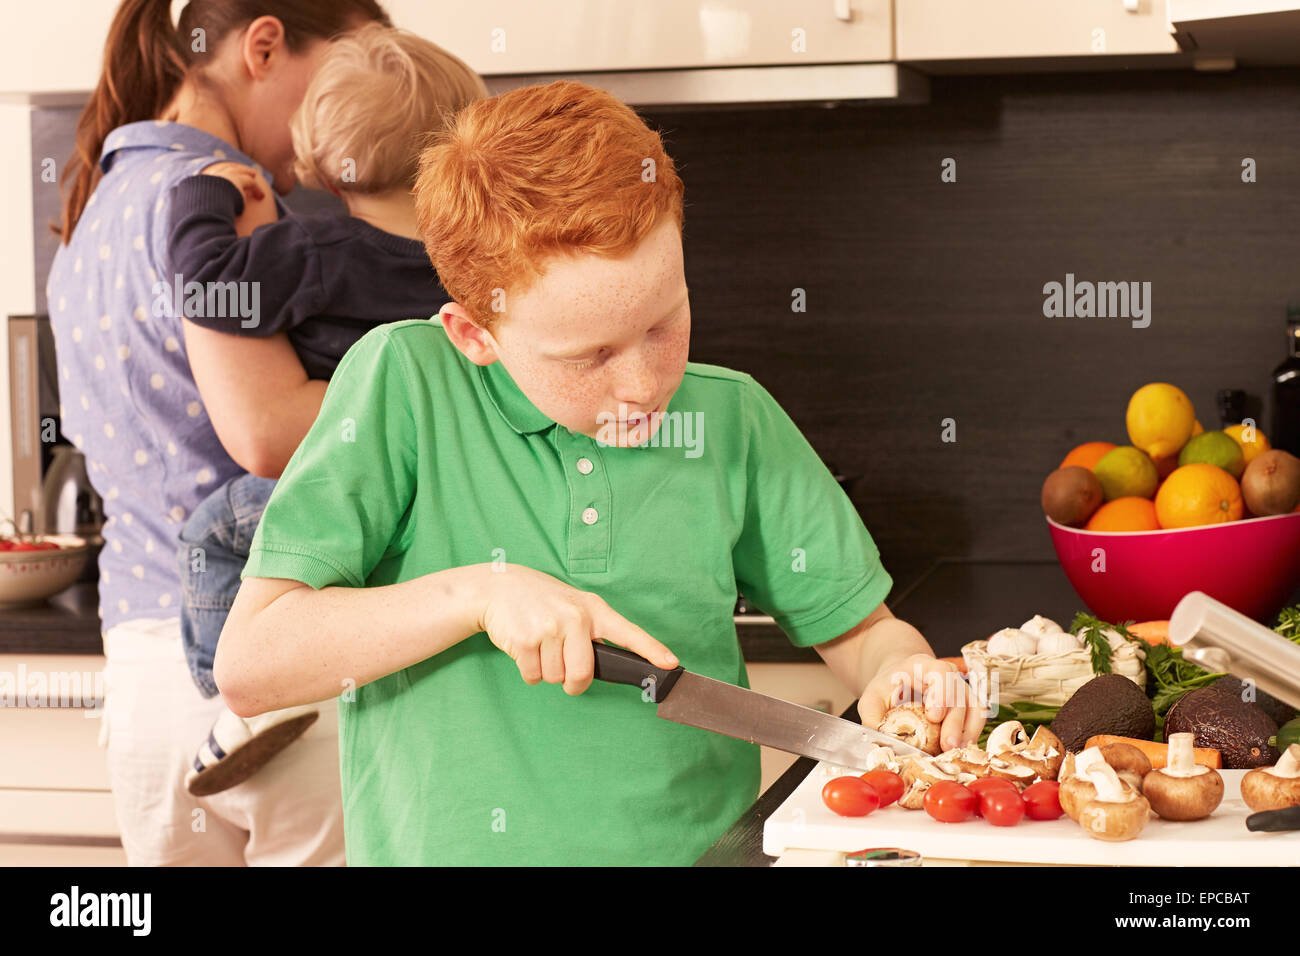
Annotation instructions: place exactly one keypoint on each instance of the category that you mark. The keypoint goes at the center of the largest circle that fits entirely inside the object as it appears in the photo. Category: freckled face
(599, 341)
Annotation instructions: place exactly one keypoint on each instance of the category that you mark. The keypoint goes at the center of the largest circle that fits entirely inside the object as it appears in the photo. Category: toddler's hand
(259, 206)
(547, 628)
(948, 699)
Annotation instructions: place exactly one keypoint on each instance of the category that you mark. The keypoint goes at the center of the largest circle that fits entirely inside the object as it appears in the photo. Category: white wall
(17, 286)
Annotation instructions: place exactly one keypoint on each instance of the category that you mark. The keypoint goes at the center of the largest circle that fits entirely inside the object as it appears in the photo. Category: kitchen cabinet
(1011, 29)
(55, 804)
(498, 37)
(812, 685)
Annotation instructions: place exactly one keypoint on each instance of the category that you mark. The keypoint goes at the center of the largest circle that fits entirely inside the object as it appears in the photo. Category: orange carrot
(1158, 754)
(1153, 632)
(958, 662)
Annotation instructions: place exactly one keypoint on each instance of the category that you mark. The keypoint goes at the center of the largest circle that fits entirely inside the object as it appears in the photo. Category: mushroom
(970, 759)
(1116, 812)
(908, 722)
(1183, 790)
(1018, 774)
(882, 758)
(1008, 735)
(1276, 787)
(1129, 763)
(1043, 754)
(920, 773)
(1076, 788)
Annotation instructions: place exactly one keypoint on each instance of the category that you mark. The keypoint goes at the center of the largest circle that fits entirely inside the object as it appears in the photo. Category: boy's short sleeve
(804, 555)
(336, 509)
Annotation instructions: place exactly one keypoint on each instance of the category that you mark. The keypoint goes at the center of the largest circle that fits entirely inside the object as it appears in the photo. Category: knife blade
(698, 701)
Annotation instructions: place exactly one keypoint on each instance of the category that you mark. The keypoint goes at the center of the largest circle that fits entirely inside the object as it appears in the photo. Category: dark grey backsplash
(924, 298)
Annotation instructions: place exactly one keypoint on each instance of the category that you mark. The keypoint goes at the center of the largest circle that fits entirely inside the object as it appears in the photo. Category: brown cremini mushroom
(1183, 790)
(909, 723)
(1116, 812)
(1130, 763)
(1276, 787)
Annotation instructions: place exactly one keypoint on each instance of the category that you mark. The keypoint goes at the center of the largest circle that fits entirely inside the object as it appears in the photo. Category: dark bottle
(1286, 390)
(1232, 406)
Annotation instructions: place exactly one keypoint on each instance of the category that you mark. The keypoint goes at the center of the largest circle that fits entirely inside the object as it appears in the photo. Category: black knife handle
(1274, 821)
(617, 665)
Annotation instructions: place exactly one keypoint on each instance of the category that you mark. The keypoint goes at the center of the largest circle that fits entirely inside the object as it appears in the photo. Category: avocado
(1279, 711)
(1224, 722)
(1107, 704)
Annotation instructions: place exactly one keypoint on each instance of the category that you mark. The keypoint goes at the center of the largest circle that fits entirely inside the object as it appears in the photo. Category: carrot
(1158, 754)
(1153, 632)
(958, 662)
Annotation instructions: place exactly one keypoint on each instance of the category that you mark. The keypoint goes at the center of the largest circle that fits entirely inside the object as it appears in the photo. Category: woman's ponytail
(143, 67)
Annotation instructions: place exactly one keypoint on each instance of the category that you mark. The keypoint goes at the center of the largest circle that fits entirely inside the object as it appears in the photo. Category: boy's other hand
(259, 206)
(949, 700)
(547, 628)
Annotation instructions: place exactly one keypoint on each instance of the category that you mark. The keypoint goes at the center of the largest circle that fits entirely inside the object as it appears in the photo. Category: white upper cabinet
(1007, 29)
(501, 37)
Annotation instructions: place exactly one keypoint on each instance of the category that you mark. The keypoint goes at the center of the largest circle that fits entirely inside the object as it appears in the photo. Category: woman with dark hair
(218, 86)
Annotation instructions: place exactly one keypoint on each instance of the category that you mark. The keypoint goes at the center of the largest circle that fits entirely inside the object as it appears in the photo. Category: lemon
(1252, 449)
(1126, 472)
(1214, 448)
(1160, 419)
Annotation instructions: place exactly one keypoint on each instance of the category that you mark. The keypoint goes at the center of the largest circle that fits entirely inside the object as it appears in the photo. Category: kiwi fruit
(1270, 485)
(1071, 495)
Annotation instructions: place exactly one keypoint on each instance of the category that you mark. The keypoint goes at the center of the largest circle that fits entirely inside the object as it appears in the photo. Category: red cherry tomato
(6, 544)
(984, 784)
(850, 796)
(1043, 800)
(1002, 808)
(949, 802)
(886, 783)
(24, 546)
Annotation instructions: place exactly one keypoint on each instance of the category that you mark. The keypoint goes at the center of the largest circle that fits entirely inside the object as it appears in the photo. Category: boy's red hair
(537, 172)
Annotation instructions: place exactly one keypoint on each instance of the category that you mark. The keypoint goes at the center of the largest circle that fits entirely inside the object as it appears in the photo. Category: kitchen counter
(953, 603)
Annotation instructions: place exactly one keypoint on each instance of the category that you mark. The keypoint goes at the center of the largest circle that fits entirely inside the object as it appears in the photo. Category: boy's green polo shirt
(421, 461)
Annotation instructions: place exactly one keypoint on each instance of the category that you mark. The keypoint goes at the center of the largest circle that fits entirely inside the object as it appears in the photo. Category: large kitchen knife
(699, 701)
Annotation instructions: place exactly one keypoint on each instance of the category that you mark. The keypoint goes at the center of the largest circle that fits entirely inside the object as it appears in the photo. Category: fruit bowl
(1252, 565)
(29, 577)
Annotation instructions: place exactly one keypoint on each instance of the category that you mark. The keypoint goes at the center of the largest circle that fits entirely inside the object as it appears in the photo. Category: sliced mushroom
(1183, 790)
(971, 760)
(1008, 735)
(1116, 812)
(1276, 787)
(1043, 754)
(1018, 774)
(1130, 763)
(909, 723)
(1076, 788)
(919, 774)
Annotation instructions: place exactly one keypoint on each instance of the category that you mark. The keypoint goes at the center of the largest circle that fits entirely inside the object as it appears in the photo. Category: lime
(1214, 448)
(1127, 472)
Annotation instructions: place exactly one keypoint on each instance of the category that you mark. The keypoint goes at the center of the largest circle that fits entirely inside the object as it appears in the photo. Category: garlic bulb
(1012, 642)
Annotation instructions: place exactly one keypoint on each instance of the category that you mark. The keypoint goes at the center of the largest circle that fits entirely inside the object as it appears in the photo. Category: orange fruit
(1198, 494)
(1252, 449)
(1124, 514)
(1086, 455)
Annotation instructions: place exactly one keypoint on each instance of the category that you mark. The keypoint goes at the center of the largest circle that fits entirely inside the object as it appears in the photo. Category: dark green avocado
(1279, 711)
(1107, 704)
(1223, 721)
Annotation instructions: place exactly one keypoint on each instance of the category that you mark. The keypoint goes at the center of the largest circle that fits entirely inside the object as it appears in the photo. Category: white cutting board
(804, 823)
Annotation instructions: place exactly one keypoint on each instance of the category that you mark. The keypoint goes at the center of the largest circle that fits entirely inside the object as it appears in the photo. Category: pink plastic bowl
(1251, 565)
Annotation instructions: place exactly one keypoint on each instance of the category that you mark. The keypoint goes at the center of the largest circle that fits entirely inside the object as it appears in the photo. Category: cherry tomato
(24, 546)
(886, 783)
(1043, 800)
(850, 796)
(949, 802)
(1002, 808)
(6, 544)
(984, 784)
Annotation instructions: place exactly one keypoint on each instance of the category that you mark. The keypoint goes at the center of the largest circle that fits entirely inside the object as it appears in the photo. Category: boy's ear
(475, 343)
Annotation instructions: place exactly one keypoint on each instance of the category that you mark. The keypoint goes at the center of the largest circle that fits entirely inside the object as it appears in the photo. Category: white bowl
(29, 577)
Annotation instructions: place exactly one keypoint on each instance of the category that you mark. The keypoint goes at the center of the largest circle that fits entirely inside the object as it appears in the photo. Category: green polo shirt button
(585, 466)
(590, 516)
